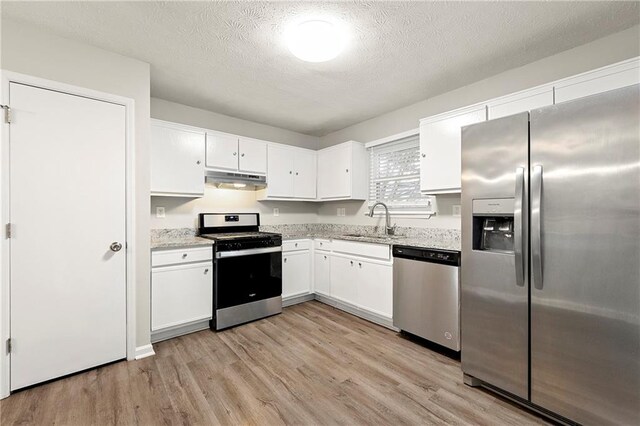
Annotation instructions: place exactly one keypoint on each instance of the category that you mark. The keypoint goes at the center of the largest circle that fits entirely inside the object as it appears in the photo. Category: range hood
(229, 180)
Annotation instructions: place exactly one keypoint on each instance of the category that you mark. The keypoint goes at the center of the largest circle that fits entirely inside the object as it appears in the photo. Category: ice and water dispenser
(493, 225)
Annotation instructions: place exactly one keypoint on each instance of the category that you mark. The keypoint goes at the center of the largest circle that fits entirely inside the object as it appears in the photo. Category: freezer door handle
(518, 226)
(536, 226)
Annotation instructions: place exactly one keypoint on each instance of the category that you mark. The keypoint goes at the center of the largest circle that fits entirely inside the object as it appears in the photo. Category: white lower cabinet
(181, 294)
(343, 280)
(363, 283)
(375, 287)
(322, 273)
(296, 273)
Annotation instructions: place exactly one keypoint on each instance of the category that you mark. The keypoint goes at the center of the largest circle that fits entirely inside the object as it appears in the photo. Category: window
(395, 177)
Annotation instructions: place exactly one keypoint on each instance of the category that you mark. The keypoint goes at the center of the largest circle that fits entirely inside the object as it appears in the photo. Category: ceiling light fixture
(315, 40)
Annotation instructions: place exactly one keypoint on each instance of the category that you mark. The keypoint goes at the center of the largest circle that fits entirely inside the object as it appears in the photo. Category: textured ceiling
(229, 57)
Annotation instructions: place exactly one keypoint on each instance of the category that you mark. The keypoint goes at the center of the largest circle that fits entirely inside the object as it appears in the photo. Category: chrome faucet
(389, 230)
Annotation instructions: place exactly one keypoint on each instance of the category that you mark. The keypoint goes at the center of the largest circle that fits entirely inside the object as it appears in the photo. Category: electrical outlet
(338, 211)
(456, 210)
(276, 211)
(160, 212)
(341, 211)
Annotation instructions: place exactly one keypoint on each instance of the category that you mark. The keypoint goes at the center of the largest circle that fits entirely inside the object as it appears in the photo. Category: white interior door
(67, 185)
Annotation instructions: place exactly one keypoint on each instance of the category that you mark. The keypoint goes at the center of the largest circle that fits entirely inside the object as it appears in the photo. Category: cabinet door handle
(290, 172)
(296, 244)
(206, 271)
(296, 173)
(242, 155)
(115, 246)
(347, 170)
(352, 263)
(424, 155)
(325, 257)
(360, 264)
(235, 153)
(285, 260)
(184, 255)
(198, 162)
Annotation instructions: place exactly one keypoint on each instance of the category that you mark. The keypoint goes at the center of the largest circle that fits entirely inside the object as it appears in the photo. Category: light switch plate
(456, 210)
(160, 212)
(276, 211)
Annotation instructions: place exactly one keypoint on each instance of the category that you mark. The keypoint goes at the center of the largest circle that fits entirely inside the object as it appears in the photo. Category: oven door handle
(249, 252)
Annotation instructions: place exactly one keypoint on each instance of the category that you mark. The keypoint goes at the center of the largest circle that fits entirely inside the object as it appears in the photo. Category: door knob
(115, 246)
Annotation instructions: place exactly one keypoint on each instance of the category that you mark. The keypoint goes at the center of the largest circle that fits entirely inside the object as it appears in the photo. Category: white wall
(183, 213)
(27, 50)
(178, 113)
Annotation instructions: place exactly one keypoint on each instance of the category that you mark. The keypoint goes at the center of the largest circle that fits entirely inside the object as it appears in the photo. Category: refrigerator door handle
(518, 225)
(536, 226)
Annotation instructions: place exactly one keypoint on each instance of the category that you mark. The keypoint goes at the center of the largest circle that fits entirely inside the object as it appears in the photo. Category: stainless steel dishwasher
(426, 294)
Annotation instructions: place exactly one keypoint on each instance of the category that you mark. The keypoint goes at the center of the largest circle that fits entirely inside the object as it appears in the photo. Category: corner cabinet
(231, 153)
(291, 174)
(440, 149)
(177, 160)
(343, 172)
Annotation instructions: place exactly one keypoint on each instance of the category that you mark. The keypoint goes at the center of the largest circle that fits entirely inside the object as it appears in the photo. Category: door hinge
(7, 113)
(9, 345)
(8, 230)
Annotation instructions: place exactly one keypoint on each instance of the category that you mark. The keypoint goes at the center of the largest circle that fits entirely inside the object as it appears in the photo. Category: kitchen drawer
(184, 255)
(294, 245)
(319, 244)
(375, 251)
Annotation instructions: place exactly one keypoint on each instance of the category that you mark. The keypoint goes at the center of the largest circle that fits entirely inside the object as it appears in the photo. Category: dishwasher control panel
(447, 257)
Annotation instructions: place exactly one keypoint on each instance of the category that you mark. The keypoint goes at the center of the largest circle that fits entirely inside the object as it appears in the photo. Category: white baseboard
(144, 351)
(359, 312)
(294, 300)
(180, 330)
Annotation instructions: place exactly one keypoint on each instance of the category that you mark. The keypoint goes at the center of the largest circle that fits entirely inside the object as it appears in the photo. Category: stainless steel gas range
(247, 264)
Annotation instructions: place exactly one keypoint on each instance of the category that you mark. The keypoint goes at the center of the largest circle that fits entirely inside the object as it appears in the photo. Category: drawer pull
(360, 264)
(351, 262)
(206, 271)
(184, 256)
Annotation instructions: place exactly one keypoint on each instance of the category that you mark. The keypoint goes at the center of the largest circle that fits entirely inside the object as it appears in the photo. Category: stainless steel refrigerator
(550, 269)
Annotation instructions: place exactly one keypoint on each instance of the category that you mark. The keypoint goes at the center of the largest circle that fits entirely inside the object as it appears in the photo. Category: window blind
(395, 177)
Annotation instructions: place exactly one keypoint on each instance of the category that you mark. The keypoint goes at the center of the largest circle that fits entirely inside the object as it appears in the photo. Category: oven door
(246, 276)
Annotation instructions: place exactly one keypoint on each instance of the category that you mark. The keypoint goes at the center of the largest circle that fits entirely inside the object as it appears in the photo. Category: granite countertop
(446, 239)
(395, 240)
(175, 238)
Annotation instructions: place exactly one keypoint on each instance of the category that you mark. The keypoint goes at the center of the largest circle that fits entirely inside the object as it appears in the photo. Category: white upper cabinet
(342, 172)
(253, 156)
(601, 80)
(304, 175)
(440, 149)
(232, 153)
(279, 171)
(222, 151)
(291, 173)
(177, 160)
(520, 102)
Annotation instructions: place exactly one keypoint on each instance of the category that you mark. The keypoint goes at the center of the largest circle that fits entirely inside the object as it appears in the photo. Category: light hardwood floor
(312, 364)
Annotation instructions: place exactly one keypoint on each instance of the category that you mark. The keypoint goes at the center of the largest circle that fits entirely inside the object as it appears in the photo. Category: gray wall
(178, 113)
(27, 50)
(614, 48)
(605, 51)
